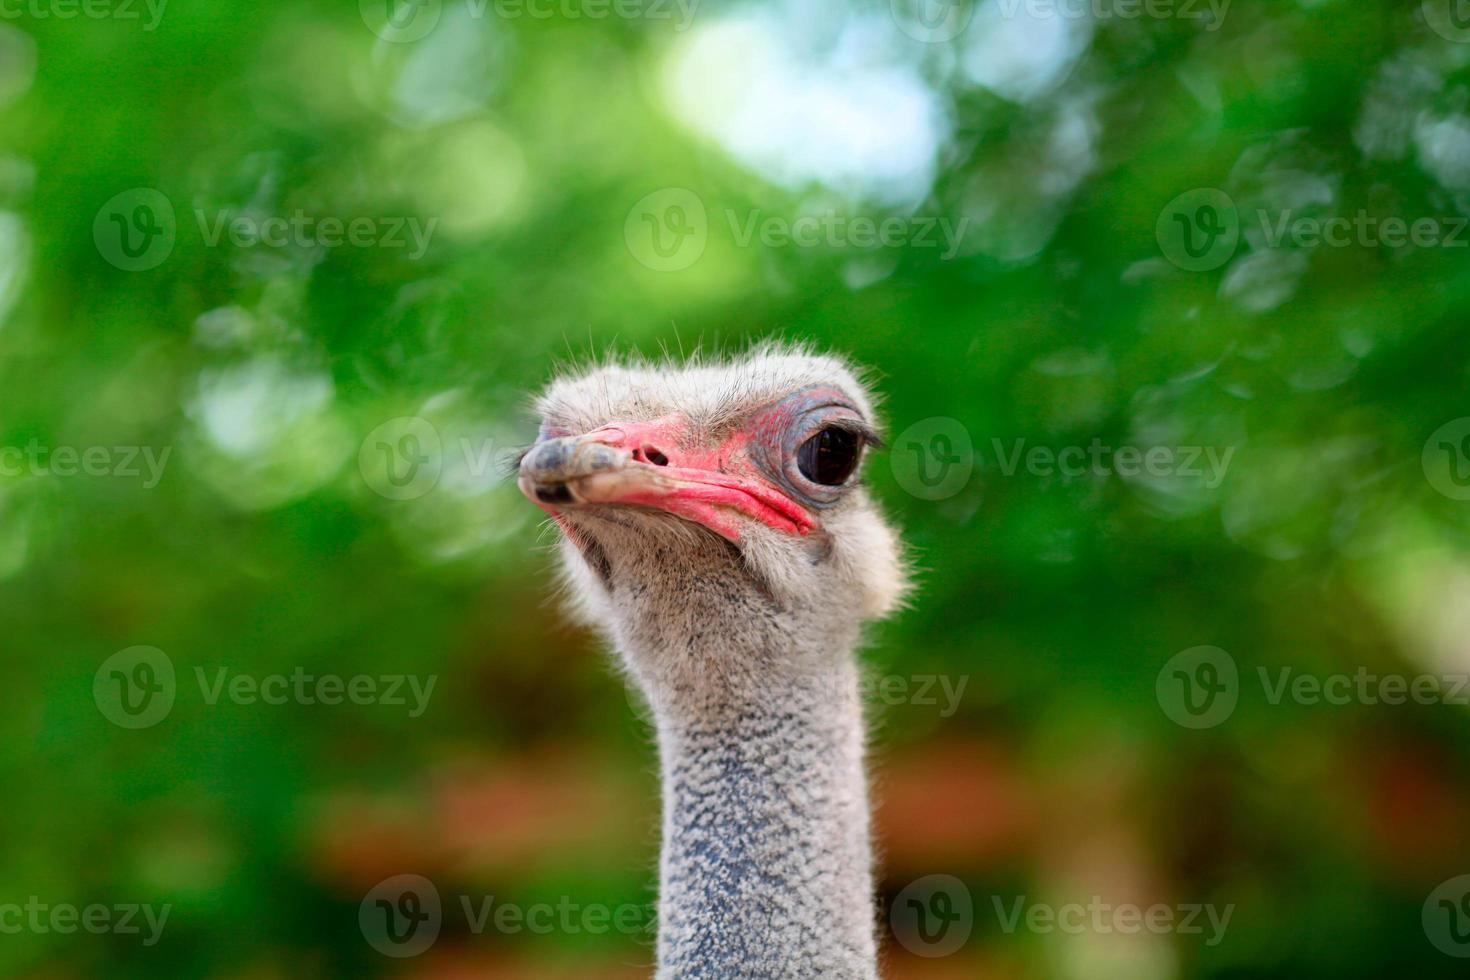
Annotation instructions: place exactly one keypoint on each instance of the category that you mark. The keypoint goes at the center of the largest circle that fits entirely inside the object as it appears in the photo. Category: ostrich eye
(829, 457)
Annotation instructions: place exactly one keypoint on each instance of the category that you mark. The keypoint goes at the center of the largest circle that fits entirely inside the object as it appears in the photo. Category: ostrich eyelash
(512, 459)
(861, 429)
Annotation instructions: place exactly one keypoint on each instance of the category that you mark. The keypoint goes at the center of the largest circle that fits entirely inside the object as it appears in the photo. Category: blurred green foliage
(522, 147)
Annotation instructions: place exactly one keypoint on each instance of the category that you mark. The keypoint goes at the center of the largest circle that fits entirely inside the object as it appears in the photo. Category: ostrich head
(712, 514)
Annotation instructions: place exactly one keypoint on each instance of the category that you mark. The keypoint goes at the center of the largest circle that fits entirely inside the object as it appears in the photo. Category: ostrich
(713, 529)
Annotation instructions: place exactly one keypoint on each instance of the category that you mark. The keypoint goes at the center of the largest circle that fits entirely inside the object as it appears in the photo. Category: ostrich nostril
(558, 493)
(653, 456)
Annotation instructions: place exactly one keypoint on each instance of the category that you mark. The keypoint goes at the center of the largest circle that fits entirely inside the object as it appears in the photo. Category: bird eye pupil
(829, 457)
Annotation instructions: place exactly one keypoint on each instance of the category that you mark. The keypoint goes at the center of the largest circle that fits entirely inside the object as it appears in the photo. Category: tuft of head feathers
(714, 390)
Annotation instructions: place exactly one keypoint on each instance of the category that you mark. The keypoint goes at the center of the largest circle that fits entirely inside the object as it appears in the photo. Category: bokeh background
(590, 180)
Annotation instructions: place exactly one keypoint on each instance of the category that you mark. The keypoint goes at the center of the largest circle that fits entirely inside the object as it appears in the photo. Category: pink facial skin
(781, 417)
(707, 486)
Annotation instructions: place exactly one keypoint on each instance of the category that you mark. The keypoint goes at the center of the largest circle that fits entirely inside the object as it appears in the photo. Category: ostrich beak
(572, 472)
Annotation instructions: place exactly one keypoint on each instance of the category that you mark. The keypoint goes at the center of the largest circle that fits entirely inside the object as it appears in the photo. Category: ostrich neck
(767, 868)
